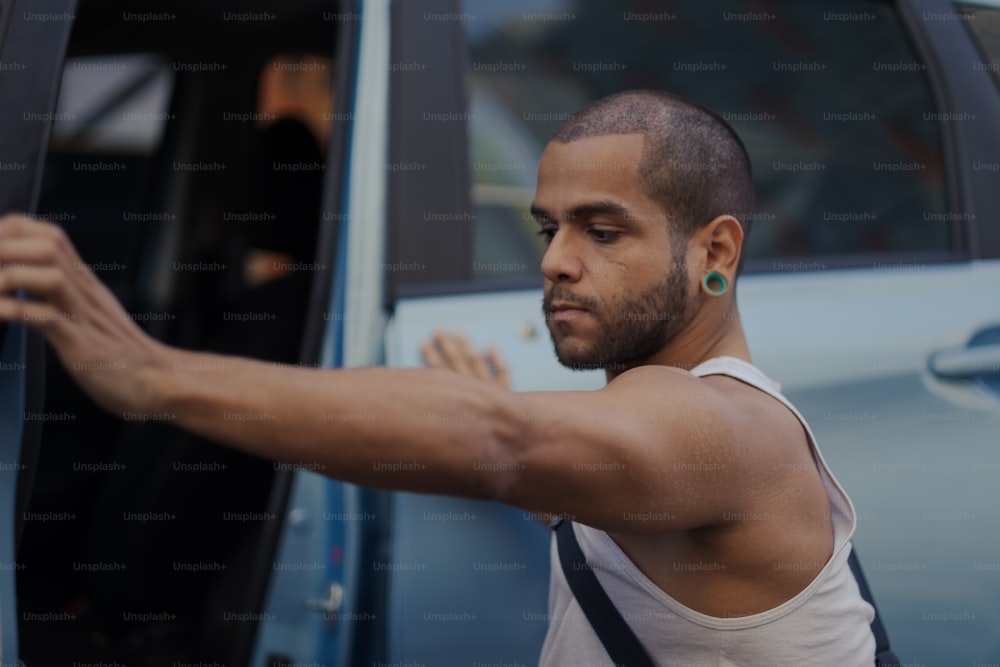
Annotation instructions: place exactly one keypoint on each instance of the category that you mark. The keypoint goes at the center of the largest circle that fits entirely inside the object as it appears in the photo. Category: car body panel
(850, 349)
(859, 343)
(468, 582)
(294, 626)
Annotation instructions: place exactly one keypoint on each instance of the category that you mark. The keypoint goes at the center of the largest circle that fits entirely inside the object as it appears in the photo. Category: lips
(565, 311)
(562, 305)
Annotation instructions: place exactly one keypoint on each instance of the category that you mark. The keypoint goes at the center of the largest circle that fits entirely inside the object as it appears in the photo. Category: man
(716, 528)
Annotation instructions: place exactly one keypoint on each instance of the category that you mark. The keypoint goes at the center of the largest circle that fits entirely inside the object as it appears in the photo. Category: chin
(577, 357)
(579, 353)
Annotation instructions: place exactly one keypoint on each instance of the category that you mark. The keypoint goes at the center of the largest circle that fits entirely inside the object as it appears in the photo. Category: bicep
(644, 454)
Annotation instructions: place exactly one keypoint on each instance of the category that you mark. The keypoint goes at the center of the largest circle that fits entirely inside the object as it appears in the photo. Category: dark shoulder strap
(618, 639)
(884, 657)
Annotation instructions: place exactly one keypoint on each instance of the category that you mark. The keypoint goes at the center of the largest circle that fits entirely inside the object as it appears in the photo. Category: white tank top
(827, 623)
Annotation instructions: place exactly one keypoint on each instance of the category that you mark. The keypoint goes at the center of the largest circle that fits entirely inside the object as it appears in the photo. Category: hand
(97, 341)
(456, 353)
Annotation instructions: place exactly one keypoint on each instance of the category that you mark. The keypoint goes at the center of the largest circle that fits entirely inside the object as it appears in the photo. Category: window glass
(292, 123)
(107, 128)
(984, 23)
(831, 101)
(112, 104)
(193, 189)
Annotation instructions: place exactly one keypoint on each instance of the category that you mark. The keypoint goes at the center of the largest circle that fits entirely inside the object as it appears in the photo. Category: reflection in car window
(846, 143)
(112, 104)
(984, 24)
(107, 129)
(295, 97)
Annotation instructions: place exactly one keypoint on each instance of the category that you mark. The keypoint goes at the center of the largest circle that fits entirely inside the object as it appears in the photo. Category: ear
(717, 246)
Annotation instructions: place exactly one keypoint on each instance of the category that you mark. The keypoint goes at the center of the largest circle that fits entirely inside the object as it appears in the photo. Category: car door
(33, 39)
(178, 112)
(318, 602)
(358, 576)
(869, 291)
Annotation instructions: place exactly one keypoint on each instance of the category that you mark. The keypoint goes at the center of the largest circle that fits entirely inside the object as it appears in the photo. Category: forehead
(595, 168)
(611, 153)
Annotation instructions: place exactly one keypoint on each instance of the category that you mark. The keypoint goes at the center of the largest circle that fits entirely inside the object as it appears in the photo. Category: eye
(604, 235)
(547, 233)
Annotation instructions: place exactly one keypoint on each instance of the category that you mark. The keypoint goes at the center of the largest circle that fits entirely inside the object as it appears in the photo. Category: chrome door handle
(966, 363)
(330, 604)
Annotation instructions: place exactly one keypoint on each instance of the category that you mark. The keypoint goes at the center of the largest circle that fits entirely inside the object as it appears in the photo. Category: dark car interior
(168, 528)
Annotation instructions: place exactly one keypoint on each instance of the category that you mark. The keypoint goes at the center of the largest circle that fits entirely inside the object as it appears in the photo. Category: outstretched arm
(620, 458)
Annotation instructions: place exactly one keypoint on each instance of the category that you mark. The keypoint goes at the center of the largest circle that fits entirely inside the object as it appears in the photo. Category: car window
(106, 130)
(117, 104)
(984, 24)
(831, 100)
(193, 188)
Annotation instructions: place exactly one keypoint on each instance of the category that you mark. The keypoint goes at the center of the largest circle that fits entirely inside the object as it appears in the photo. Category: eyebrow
(603, 207)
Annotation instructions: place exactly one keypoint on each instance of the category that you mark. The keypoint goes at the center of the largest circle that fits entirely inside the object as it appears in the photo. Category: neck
(715, 332)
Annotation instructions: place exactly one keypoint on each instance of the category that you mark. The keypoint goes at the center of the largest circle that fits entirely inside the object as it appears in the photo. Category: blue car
(325, 183)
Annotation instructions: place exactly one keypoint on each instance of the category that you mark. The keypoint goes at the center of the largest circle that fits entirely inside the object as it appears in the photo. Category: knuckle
(56, 283)
(13, 221)
(57, 237)
(49, 319)
(14, 274)
(49, 253)
(50, 248)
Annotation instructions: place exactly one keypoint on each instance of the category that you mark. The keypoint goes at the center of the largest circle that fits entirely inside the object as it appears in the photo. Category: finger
(51, 284)
(432, 357)
(473, 359)
(21, 228)
(41, 281)
(18, 225)
(452, 353)
(27, 251)
(500, 372)
(45, 243)
(40, 316)
(11, 222)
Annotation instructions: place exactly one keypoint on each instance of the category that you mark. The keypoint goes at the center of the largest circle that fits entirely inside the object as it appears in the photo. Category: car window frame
(22, 47)
(933, 44)
(440, 179)
(947, 48)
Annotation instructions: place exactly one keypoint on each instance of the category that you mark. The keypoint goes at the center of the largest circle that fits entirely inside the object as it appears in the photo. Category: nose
(561, 261)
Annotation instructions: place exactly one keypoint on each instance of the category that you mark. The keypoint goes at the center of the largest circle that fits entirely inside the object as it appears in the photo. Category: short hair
(693, 163)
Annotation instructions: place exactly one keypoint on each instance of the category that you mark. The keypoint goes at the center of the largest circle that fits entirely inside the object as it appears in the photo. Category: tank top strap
(742, 370)
(746, 372)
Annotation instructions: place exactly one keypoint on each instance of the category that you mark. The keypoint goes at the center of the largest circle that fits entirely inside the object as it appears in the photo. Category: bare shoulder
(656, 380)
(656, 393)
(742, 456)
(669, 390)
(723, 414)
(686, 450)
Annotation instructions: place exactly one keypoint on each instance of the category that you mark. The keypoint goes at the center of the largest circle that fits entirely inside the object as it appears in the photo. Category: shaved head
(693, 163)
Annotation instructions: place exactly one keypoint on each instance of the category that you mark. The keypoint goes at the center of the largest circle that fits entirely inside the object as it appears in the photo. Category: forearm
(417, 429)
(409, 429)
